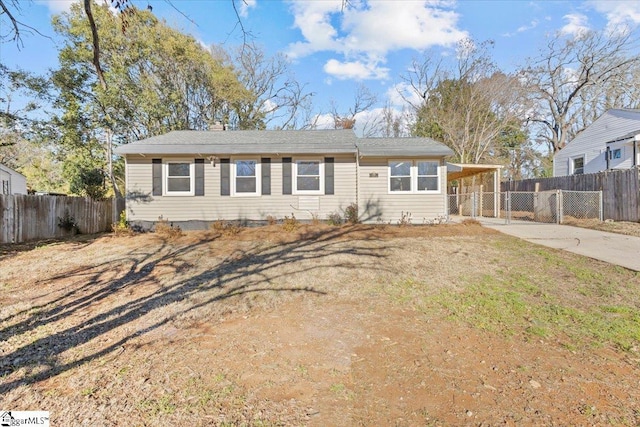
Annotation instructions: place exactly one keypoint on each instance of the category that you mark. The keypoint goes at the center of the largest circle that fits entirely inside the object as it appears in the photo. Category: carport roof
(464, 170)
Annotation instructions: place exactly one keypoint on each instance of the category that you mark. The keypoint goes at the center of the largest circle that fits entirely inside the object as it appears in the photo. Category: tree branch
(96, 44)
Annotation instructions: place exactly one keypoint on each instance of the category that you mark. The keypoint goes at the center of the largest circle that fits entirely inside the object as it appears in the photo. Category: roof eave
(635, 135)
(391, 153)
(217, 151)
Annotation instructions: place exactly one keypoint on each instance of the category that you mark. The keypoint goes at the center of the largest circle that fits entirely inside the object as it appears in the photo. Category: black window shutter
(266, 175)
(286, 175)
(156, 173)
(329, 175)
(199, 190)
(225, 177)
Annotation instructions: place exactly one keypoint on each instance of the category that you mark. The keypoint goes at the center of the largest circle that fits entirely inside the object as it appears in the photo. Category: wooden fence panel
(25, 217)
(620, 190)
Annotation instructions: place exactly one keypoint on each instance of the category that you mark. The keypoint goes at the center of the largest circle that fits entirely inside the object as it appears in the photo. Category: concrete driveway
(617, 249)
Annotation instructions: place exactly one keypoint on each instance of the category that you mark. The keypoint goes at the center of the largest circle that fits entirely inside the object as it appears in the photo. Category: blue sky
(371, 42)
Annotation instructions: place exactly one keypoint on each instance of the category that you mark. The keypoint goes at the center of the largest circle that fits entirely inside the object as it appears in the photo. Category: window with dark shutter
(199, 173)
(329, 175)
(156, 173)
(286, 175)
(266, 175)
(225, 177)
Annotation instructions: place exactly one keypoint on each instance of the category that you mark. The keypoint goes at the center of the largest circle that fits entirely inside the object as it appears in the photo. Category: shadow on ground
(101, 296)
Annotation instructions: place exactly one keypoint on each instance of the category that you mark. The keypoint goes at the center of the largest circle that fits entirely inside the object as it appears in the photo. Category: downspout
(358, 177)
(606, 157)
(635, 149)
(447, 209)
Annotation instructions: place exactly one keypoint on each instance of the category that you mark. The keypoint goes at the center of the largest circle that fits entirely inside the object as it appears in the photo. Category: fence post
(507, 202)
(473, 204)
(600, 206)
(559, 207)
(114, 210)
(447, 209)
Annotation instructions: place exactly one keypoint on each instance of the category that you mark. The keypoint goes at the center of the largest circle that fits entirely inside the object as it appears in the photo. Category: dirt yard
(441, 325)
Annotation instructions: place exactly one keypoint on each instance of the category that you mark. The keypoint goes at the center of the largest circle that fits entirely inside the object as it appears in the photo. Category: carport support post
(481, 202)
(473, 204)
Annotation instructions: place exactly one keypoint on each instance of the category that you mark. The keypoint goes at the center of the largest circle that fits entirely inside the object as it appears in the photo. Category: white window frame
(437, 176)
(411, 177)
(166, 178)
(294, 177)
(258, 178)
(414, 176)
(572, 162)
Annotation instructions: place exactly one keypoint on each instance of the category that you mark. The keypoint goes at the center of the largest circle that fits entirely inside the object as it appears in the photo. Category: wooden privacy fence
(25, 217)
(620, 190)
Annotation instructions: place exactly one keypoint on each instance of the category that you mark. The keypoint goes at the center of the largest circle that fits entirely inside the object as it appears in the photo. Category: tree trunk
(103, 85)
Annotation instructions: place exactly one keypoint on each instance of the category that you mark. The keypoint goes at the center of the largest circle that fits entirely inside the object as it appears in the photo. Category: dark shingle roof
(245, 142)
(282, 142)
(402, 147)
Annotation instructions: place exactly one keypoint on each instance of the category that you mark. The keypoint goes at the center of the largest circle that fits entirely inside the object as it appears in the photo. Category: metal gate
(555, 206)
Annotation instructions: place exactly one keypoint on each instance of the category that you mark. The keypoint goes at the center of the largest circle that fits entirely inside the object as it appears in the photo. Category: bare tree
(9, 11)
(574, 80)
(363, 100)
(392, 123)
(422, 78)
(385, 122)
(276, 95)
(470, 106)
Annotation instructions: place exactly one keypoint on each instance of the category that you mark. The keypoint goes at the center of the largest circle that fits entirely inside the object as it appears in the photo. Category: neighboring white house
(611, 142)
(201, 176)
(12, 182)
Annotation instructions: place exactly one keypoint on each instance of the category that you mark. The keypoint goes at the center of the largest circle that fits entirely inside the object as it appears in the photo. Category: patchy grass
(551, 295)
(318, 325)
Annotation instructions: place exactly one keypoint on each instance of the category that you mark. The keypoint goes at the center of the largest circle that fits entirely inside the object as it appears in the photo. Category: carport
(456, 171)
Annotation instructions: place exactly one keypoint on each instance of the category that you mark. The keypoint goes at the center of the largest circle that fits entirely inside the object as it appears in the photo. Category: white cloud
(401, 93)
(532, 25)
(355, 70)
(57, 6)
(618, 13)
(245, 5)
(390, 25)
(370, 30)
(324, 121)
(576, 26)
(314, 21)
(268, 105)
(368, 123)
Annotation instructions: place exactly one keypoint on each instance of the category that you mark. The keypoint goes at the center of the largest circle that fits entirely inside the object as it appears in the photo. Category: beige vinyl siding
(143, 206)
(375, 201)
